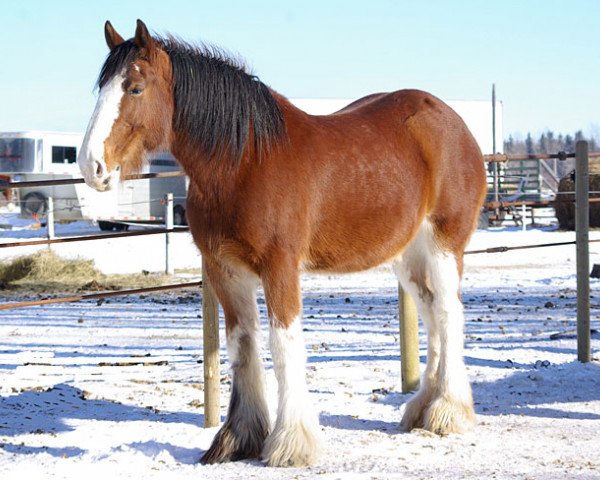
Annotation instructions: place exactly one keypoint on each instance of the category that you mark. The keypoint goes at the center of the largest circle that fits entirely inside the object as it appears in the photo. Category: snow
(114, 388)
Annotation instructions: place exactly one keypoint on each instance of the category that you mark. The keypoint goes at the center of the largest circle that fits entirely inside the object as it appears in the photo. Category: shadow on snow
(49, 411)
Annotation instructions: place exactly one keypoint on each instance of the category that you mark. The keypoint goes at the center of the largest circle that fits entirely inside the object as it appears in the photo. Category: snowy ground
(114, 389)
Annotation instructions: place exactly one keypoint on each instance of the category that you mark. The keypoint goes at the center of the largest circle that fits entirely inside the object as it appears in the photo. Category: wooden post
(210, 327)
(495, 170)
(409, 341)
(582, 224)
(169, 267)
(50, 220)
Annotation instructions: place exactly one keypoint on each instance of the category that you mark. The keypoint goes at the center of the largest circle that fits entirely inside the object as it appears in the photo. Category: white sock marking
(295, 439)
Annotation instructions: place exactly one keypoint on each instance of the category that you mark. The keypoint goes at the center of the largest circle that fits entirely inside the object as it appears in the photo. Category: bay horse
(393, 177)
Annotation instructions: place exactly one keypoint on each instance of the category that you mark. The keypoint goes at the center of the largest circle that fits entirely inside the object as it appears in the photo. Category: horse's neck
(215, 180)
(220, 177)
(288, 109)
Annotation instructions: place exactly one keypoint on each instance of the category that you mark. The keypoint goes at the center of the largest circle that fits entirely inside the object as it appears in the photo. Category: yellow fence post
(210, 327)
(409, 341)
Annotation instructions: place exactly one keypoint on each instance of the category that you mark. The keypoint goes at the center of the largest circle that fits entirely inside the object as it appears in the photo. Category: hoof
(228, 446)
(412, 418)
(292, 447)
(445, 416)
(414, 412)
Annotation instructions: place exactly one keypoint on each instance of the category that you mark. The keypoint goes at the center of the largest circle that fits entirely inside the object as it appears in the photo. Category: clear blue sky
(543, 55)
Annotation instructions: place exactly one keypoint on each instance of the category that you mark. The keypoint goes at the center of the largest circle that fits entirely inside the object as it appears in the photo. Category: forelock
(118, 58)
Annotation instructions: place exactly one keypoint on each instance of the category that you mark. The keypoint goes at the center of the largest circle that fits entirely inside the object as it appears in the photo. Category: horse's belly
(356, 250)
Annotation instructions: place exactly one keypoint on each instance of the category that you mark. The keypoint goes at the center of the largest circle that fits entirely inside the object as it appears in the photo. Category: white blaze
(99, 128)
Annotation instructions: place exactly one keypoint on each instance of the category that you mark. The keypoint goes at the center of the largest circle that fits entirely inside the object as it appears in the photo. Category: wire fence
(101, 236)
(507, 157)
(408, 318)
(83, 205)
(4, 184)
(98, 296)
(500, 158)
(67, 299)
(155, 231)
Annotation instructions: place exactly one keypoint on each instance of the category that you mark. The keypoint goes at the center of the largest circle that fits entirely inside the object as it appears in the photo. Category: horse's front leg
(295, 438)
(247, 424)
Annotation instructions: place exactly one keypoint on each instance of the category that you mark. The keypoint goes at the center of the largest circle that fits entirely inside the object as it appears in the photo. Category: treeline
(547, 142)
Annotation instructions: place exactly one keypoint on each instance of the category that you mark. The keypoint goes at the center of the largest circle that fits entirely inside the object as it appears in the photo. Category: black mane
(218, 105)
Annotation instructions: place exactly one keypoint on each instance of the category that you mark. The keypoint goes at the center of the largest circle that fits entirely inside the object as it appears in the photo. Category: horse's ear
(143, 39)
(113, 39)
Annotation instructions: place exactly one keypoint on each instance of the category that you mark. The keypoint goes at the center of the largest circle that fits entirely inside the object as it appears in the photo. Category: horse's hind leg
(295, 437)
(444, 401)
(415, 408)
(247, 424)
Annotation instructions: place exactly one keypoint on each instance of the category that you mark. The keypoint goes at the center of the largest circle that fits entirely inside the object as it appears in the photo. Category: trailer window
(64, 154)
(163, 162)
(17, 155)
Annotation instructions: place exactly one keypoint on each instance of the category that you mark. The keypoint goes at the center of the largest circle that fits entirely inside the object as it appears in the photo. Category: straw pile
(44, 271)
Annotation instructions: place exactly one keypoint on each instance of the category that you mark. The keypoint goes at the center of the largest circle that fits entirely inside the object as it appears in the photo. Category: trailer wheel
(36, 204)
(179, 215)
(110, 226)
(106, 226)
(121, 227)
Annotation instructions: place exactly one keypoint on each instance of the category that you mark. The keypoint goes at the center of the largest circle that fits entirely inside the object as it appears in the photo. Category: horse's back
(397, 159)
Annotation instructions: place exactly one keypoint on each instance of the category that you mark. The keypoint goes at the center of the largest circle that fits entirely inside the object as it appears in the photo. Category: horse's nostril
(99, 169)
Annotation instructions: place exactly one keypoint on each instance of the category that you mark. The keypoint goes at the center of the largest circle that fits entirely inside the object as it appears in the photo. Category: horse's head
(134, 112)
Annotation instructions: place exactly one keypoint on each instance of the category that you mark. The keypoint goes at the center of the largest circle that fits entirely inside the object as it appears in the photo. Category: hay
(564, 205)
(47, 268)
(45, 271)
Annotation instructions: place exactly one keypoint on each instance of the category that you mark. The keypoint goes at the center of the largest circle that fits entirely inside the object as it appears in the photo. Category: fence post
(50, 220)
(169, 268)
(210, 327)
(409, 341)
(582, 224)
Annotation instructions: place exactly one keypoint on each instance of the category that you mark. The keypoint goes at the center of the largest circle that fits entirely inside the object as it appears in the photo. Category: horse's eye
(135, 91)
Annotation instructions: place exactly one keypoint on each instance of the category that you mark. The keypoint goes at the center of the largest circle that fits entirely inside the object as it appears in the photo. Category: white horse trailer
(31, 156)
(140, 201)
(35, 155)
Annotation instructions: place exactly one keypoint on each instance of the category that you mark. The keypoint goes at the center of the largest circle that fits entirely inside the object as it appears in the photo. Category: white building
(477, 114)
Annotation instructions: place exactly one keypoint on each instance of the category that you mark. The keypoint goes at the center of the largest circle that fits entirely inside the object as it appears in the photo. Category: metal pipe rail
(532, 203)
(506, 157)
(73, 181)
(523, 247)
(98, 296)
(102, 236)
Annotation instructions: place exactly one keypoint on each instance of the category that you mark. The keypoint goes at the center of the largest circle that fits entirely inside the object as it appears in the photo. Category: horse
(393, 177)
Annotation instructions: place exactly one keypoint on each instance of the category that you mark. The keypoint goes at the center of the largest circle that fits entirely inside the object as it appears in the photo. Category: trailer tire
(121, 227)
(106, 226)
(35, 203)
(110, 226)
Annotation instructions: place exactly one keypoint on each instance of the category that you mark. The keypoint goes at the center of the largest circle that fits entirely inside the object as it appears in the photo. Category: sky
(542, 55)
